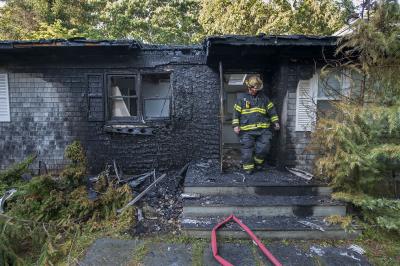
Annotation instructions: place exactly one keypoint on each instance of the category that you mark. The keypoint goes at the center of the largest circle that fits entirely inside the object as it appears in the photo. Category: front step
(270, 202)
(278, 227)
(301, 206)
(261, 189)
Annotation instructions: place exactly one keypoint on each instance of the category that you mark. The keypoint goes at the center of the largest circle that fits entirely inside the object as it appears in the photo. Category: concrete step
(205, 178)
(278, 227)
(301, 206)
(260, 189)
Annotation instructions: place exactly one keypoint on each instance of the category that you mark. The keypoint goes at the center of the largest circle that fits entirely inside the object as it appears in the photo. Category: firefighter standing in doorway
(252, 119)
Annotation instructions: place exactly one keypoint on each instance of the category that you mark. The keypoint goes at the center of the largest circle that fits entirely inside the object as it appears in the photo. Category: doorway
(233, 88)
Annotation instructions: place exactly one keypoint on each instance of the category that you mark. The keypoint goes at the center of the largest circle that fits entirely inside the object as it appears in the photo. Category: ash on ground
(159, 210)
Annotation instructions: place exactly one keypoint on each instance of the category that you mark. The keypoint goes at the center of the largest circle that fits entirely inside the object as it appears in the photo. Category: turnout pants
(255, 145)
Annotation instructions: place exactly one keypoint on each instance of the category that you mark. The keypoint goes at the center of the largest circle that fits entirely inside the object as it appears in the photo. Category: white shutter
(4, 99)
(306, 104)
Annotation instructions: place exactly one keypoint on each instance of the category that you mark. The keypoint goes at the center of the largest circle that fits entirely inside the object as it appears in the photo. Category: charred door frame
(221, 98)
(221, 113)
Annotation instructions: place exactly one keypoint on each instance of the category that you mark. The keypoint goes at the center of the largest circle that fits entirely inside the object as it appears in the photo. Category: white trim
(4, 98)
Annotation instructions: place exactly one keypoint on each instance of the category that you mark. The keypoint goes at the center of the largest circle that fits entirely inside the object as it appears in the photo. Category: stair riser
(261, 191)
(300, 211)
(303, 235)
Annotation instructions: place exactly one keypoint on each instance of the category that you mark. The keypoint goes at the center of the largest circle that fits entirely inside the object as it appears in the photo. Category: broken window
(123, 96)
(156, 92)
(150, 98)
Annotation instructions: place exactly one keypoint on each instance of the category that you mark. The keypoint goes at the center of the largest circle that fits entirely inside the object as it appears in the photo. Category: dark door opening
(233, 88)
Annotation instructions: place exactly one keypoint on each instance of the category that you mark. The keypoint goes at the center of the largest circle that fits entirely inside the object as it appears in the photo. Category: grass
(139, 254)
(381, 249)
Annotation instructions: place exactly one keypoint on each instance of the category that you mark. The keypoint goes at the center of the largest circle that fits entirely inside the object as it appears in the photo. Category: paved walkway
(131, 252)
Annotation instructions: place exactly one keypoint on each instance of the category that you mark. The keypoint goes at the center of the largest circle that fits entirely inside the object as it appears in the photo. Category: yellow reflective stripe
(270, 105)
(235, 121)
(274, 118)
(255, 126)
(248, 166)
(259, 161)
(254, 110)
(237, 108)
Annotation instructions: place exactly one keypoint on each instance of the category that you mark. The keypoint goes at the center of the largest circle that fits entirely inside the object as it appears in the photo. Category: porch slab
(207, 174)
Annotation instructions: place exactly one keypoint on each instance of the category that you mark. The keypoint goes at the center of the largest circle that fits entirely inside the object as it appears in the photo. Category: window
(139, 97)
(123, 97)
(156, 92)
(4, 99)
(319, 94)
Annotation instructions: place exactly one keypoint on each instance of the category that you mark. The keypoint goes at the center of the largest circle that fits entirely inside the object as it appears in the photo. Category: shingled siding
(50, 108)
(297, 153)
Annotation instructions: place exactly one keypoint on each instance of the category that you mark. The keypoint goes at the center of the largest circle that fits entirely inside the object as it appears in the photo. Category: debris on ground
(161, 206)
(231, 159)
(190, 195)
(300, 173)
(6, 196)
(357, 249)
(312, 225)
(138, 197)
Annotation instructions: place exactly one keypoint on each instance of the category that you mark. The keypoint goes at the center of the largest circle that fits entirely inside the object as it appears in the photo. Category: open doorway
(233, 88)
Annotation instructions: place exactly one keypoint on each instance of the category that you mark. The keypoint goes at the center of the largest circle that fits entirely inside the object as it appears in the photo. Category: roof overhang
(238, 49)
(56, 46)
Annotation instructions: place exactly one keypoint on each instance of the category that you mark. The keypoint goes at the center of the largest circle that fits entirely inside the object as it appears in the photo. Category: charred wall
(295, 145)
(56, 101)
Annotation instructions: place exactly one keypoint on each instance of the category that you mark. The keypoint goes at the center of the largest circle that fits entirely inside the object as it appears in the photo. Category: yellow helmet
(255, 82)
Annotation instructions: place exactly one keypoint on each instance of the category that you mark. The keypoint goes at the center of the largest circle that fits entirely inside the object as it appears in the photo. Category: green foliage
(13, 174)
(164, 21)
(75, 153)
(30, 19)
(156, 21)
(48, 213)
(360, 147)
(360, 144)
(319, 17)
(381, 212)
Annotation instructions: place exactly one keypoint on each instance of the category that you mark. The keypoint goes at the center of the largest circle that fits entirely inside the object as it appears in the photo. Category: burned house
(154, 106)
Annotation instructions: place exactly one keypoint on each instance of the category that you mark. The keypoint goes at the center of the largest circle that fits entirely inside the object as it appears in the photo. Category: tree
(360, 146)
(156, 21)
(153, 21)
(319, 17)
(26, 19)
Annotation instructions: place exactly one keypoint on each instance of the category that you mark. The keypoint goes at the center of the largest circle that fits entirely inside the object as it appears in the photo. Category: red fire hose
(261, 246)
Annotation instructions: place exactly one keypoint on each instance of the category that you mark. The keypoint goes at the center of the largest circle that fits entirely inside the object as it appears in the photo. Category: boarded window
(156, 93)
(123, 97)
(4, 99)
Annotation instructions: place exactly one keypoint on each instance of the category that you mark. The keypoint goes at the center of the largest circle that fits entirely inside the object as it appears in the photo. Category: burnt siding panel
(95, 97)
(43, 108)
(51, 107)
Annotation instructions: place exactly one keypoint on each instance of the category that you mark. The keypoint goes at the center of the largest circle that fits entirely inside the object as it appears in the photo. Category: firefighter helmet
(254, 82)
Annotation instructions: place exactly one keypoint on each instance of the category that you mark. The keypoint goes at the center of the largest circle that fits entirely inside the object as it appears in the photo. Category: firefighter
(254, 114)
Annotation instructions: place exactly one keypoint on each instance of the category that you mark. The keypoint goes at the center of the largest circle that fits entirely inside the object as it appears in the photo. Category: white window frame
(4, 98)
(345, 81)
(314, 98)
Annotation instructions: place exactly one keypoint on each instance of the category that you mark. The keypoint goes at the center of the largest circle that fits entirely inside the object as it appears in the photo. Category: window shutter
(4, 99)
(306, 104)
(95, 98)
